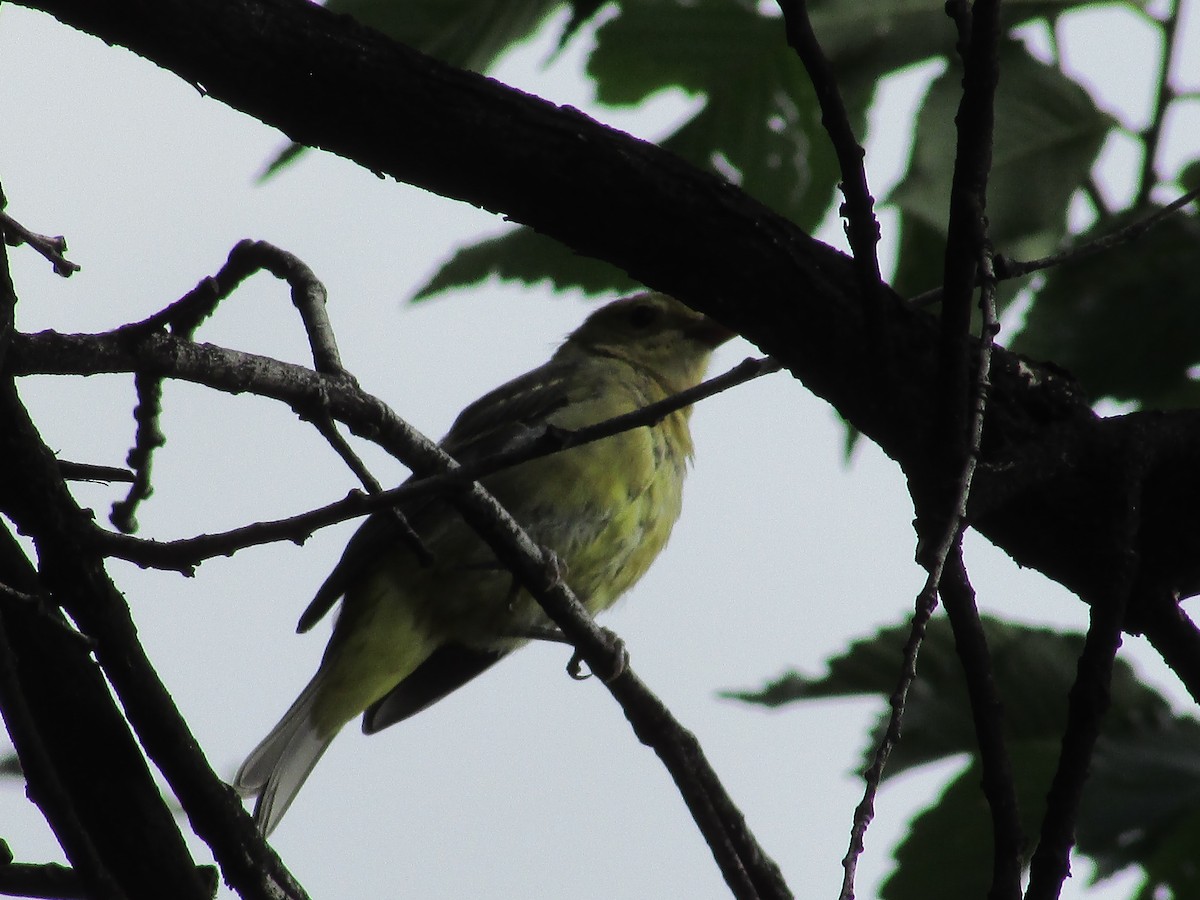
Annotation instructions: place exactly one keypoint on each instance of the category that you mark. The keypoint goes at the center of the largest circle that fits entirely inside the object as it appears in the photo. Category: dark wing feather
(447, 669)
(374, 537)
(490, 424)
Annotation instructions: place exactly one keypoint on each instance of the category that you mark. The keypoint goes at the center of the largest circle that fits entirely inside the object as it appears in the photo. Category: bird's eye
(643, 315)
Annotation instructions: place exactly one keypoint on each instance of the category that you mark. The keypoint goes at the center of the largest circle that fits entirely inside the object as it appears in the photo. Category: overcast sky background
(525, 783)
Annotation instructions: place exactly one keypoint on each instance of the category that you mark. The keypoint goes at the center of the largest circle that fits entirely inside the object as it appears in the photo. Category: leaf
(920, 259)
(526, 256)
(1048, 131)
(1125, 323)
(868, 40)
(1171, 868)
(1138, 806)
(760, 124)
(1189, 175)
(1034, 670)
(959, 825)
(1141, 802)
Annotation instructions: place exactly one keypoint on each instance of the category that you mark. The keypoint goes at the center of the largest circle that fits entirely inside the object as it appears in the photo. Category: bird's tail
(277, 768)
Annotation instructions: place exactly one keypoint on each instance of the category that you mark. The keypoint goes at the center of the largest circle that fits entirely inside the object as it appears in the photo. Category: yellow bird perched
(410, 631)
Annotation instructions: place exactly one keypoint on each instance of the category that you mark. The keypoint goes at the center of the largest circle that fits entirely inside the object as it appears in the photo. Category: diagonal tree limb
(963, 391)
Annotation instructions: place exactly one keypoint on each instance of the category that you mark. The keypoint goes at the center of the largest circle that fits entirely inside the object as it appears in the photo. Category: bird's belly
(604, 538)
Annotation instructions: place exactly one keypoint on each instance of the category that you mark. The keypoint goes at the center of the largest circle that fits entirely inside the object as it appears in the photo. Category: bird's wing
(447, 669)
(492, 423)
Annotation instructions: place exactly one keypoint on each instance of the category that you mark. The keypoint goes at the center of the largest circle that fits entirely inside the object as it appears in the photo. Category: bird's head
(655, 332)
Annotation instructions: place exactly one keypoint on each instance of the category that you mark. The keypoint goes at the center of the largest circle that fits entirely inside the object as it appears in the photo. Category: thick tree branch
(44, 786)
(33, 494)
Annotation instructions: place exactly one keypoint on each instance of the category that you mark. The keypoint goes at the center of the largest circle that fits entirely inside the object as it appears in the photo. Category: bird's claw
(620, 660)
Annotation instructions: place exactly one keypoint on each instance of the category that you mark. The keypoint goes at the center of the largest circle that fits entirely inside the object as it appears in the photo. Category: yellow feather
(408, 632)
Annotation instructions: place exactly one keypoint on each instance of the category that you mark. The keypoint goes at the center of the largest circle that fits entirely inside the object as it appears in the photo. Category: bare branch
(1007, 269)
(52, 248)
(328, 429)
(75, 471)
(185, 315)
(862, 228)
(1089, 700)
(185, 554)
(955, 448)
(148, 437)
(1163, 96)
(44, 786)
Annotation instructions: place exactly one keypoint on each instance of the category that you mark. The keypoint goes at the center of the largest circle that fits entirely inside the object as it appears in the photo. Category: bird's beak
(709, 332)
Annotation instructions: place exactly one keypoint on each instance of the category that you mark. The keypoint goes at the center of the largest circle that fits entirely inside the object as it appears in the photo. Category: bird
(419, 620)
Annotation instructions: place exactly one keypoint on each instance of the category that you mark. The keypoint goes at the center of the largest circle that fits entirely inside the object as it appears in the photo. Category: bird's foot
(619, 660)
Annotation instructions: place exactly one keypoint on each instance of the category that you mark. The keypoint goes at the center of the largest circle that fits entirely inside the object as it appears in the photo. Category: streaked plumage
(408, 634)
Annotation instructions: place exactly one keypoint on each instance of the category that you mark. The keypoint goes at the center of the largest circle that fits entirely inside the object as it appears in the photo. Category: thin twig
(308, 296)
(924, 605)
(967, 257)
(328, 430)
(862, 228)
(185, 554)
(1089, 699)
(864, 813)
(1007, 269)
(148, 437)
(969, 261)
(184, 317)
(75, 471)
(52, 248)
(1163, 96)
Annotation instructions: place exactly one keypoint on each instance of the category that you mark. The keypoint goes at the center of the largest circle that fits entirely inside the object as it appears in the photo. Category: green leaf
(920, 259)
(868, 40)
(1138, 806)
(760, 124)
(1034, 669)
(524, 255)
(1171, 868)
(1048, 131)
(958, 825)
(1125, 323)
(1189, 175)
